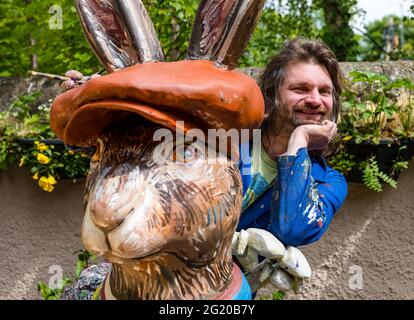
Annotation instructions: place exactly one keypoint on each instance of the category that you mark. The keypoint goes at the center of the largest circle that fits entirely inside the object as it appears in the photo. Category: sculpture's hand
(76, 78)
(284, 267)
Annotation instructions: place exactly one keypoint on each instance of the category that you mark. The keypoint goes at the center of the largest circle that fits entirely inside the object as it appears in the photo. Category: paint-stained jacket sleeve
(306, 195)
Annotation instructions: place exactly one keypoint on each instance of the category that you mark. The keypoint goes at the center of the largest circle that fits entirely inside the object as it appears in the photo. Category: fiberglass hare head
(160, 207)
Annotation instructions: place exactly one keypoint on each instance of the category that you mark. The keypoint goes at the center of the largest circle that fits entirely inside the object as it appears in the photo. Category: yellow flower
(47, 183)
(347, 138)
(71, 152)
(21, 163)
(42, 158)
(36, 176)
(41, 146)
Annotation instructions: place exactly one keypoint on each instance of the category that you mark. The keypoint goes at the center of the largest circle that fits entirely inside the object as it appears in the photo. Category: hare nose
(314, 98)
(103, 216)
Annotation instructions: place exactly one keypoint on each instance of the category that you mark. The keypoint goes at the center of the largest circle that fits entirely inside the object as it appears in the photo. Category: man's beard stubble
(286, 123)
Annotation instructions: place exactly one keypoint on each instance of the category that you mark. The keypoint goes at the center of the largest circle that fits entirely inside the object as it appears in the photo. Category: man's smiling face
(306, 95)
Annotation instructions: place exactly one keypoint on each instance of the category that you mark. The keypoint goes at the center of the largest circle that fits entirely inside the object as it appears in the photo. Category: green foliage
(173, 21)
(372, 50)
(276, 295)
(57, 50)
(371, 112)
(342, 161)
(412, 10)
(83, 261)
(406, 118)
(17, 122)
(399, 165)
(336, 32)
(25, 30)
(366, 116)
(46, 164)
(48, 293)
(372, 175)
(279, 22)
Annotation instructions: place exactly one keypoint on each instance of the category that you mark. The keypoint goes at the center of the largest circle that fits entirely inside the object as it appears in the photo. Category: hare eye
(96, 156)
(186, 153)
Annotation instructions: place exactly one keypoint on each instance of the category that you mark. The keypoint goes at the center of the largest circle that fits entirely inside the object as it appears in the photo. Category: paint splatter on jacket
(300, 201)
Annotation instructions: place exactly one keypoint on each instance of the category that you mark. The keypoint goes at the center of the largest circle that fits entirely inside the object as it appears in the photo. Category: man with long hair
(288, 189)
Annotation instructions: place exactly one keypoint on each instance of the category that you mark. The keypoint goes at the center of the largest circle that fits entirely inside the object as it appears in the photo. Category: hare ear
(222, 30)
(111, 29)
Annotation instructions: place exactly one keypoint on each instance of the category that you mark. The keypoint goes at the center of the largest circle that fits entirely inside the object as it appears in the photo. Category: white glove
(284, 267)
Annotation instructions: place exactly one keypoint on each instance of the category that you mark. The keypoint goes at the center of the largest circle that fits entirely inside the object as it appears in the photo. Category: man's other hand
(284, 268)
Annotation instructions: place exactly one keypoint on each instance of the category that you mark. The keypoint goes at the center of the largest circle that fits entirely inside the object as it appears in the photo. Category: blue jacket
(301, 202)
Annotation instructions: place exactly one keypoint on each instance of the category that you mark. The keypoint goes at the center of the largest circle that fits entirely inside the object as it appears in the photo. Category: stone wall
(372, 233)
(38, 230)
(13, 87)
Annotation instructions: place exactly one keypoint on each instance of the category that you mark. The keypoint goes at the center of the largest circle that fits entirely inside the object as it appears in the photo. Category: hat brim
(194, 91)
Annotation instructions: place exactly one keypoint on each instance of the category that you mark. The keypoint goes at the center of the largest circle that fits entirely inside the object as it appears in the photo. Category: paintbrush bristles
(222, 30)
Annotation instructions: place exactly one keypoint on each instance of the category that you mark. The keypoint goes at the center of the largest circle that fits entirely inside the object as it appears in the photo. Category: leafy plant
(276, 295)
(342, 161)
(336, 32)
(399, 163)
(29, 32)
(370, 106)
(48, 165)
(406, 119)
(290, 19)
(371, 46)
(82, 263)
(173, 22)
(49, 293)
(372, 175)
